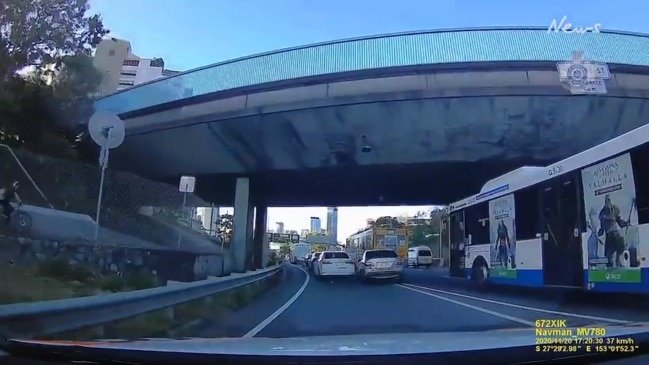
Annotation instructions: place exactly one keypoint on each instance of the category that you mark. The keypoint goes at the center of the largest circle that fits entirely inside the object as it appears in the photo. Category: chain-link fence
(134, 211)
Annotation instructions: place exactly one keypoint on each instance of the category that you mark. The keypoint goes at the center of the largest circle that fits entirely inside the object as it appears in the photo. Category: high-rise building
(122, 69)
(332, 224)
(315, 225)
(280, 227)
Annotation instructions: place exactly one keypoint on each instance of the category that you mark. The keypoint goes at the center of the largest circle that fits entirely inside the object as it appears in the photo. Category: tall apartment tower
(332, 224)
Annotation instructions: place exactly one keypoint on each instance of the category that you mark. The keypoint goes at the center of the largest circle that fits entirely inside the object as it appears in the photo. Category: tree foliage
(40, 33)
(387, 222)
(225, 224)
(46, 75)
(285, 249)
(430, 232)
(319, 248)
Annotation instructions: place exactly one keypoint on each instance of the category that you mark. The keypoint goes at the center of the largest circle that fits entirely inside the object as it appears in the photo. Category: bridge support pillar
(261, 238)
(241, 225)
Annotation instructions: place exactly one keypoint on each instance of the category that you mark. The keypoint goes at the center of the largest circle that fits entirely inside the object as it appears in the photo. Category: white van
(420, 256)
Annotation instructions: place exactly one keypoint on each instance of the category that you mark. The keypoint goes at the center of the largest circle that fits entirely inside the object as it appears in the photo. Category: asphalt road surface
(427, 301)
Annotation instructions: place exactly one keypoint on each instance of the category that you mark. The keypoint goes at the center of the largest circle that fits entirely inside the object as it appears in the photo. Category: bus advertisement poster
(502, 230)
(611, 215)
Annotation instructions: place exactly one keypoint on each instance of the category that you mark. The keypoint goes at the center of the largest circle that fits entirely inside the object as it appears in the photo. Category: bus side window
(640, 161)
(477, 223)
(527, 213)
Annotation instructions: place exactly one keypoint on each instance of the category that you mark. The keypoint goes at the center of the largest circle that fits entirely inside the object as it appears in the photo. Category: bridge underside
(423, 151)
(415, 184)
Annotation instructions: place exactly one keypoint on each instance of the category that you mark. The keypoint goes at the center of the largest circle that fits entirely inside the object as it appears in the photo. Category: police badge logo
(583, 77)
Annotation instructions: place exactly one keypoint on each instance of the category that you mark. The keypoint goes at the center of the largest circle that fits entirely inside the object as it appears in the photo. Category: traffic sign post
(108, 131)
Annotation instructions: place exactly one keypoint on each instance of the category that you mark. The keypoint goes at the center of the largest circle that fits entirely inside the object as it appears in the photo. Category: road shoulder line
(263, 324)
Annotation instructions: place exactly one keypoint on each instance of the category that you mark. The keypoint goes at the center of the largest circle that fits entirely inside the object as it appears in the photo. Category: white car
(334, 263)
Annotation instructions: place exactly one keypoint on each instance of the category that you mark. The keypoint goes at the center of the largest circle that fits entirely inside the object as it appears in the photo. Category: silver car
(380, 264)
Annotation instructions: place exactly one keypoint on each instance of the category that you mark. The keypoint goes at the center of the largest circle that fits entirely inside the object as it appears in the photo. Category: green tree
(422, 232)
(285, 249)
(225, 226)
(44, 111)
(420, 235)
(319, 248)
(387, 222)
(39, 33)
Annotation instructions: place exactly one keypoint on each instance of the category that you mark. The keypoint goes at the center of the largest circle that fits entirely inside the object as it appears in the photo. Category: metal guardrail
(26, 320)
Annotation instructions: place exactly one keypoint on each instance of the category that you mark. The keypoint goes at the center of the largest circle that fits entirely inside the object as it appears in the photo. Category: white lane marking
(532, 309)
(253, 332)
(474, 307)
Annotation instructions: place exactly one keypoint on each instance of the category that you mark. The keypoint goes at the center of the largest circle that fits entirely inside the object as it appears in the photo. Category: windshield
(174, 171)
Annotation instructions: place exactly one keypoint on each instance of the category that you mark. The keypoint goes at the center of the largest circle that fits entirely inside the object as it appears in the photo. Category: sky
(194, 33)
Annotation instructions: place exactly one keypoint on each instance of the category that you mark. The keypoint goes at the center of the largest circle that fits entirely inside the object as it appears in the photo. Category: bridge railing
(29, 320)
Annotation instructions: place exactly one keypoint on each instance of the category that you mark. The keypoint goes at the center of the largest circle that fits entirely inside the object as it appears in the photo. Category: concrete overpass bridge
(416, 118)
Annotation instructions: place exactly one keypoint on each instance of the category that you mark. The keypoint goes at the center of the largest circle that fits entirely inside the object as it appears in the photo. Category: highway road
(427, 301)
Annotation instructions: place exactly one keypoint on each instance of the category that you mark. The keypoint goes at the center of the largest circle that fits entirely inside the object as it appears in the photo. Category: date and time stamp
(554, 335)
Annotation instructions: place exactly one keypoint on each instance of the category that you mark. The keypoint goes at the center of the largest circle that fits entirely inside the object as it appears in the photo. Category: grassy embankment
(55, 279)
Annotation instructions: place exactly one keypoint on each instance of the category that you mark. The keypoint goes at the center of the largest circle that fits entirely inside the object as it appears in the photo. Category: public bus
(582, 222)
(377, 238)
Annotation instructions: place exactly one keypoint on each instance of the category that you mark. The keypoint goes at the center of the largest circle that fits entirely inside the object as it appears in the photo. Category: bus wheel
(480, 272)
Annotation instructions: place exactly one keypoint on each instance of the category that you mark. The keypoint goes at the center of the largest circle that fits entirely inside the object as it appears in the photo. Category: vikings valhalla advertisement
(613, 242)
(502, 226)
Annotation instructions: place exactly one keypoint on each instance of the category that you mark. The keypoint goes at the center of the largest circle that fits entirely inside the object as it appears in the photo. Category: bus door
(456, 232)
(560, 215)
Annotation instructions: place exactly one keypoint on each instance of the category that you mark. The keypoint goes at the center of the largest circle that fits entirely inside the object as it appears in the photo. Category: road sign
(187, 184)
(284, 237)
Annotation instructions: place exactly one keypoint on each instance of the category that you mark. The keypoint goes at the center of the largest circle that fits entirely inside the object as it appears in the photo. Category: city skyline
(350, 219)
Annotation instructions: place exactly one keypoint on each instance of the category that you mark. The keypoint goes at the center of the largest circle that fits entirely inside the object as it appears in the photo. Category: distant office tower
(280, 227)
(315, 225)
(332, 224)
